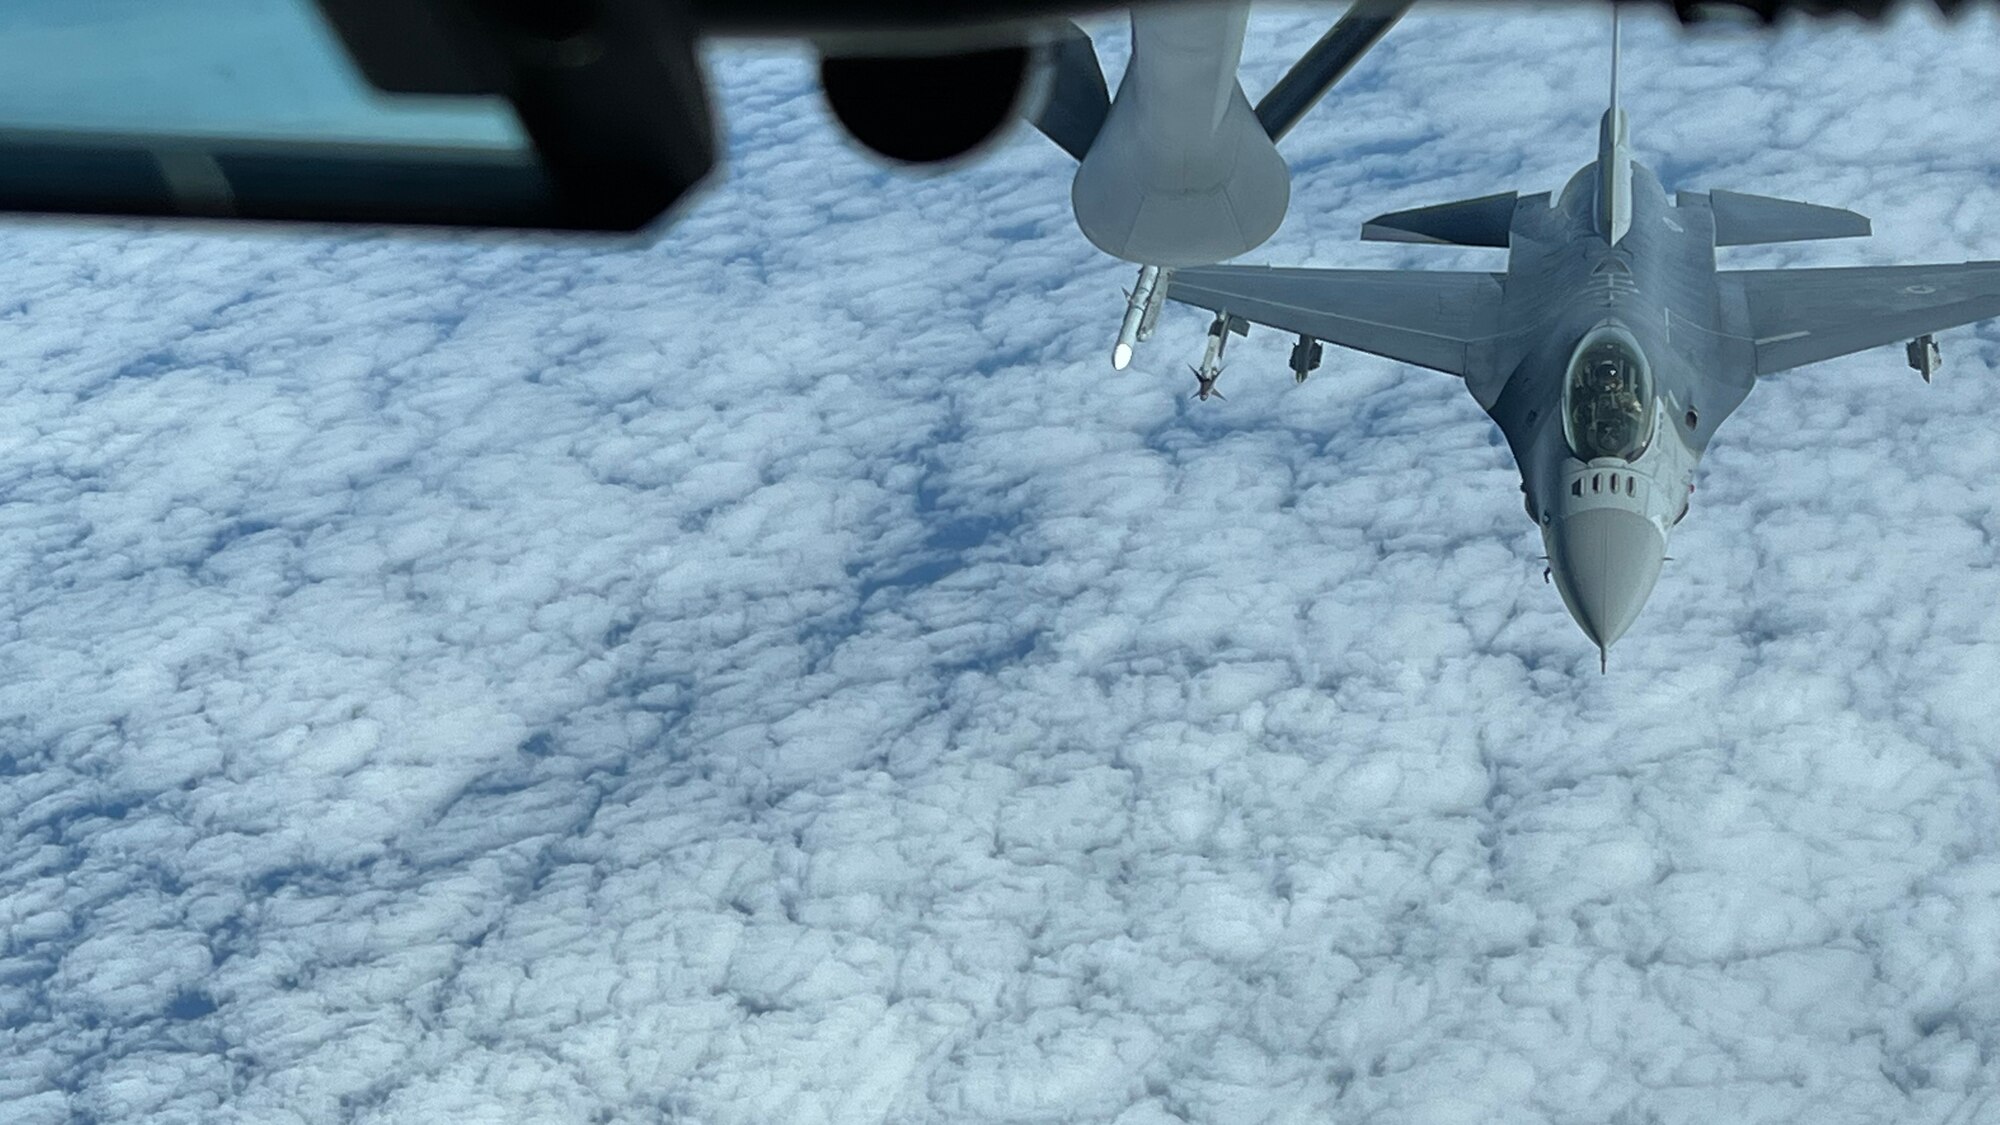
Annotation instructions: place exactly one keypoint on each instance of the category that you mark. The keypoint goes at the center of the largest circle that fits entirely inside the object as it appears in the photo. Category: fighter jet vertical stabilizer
(1614, 159)
(1182, 172)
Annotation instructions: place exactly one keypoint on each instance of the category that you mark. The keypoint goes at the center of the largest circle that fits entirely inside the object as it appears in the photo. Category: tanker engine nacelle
(1182, 173)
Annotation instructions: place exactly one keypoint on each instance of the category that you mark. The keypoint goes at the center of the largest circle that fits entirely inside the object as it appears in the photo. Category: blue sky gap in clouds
(782, 674)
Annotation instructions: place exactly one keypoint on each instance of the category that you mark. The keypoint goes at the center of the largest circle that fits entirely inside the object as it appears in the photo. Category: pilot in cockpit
(1612, 387)
(1608, 408)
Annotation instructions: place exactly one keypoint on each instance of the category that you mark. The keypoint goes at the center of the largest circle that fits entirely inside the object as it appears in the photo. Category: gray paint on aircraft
(1699, 338)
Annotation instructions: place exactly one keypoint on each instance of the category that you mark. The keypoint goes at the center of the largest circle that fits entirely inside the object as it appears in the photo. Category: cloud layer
(782, 673)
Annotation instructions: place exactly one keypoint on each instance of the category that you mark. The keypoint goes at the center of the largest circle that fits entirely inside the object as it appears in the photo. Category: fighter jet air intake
(1608, 351)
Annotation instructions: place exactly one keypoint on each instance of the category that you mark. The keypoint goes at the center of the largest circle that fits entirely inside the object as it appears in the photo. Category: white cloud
(782, 673)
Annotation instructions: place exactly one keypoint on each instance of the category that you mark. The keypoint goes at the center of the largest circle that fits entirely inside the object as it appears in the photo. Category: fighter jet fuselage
(1625, 370)
(1611, 347)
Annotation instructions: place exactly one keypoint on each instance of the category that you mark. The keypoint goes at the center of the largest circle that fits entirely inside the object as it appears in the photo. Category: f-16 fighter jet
(1611, 347)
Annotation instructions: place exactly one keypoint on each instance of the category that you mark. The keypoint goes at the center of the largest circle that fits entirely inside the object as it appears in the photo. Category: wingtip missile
(1142, 306)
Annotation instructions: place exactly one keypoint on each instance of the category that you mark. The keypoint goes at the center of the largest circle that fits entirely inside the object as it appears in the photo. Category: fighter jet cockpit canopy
(1608, 400)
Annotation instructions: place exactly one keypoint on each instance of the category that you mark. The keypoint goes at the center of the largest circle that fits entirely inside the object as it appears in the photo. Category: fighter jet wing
(1429, 318)
(1796, 317)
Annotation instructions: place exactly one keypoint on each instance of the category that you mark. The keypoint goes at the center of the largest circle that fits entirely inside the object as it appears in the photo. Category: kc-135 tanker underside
(1608, 350)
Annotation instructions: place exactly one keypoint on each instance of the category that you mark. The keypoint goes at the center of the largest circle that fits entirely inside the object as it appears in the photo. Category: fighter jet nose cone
(1605, 562)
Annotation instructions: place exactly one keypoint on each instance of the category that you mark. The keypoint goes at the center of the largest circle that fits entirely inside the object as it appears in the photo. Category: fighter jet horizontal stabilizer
(1467, 222)
(1753, 220)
